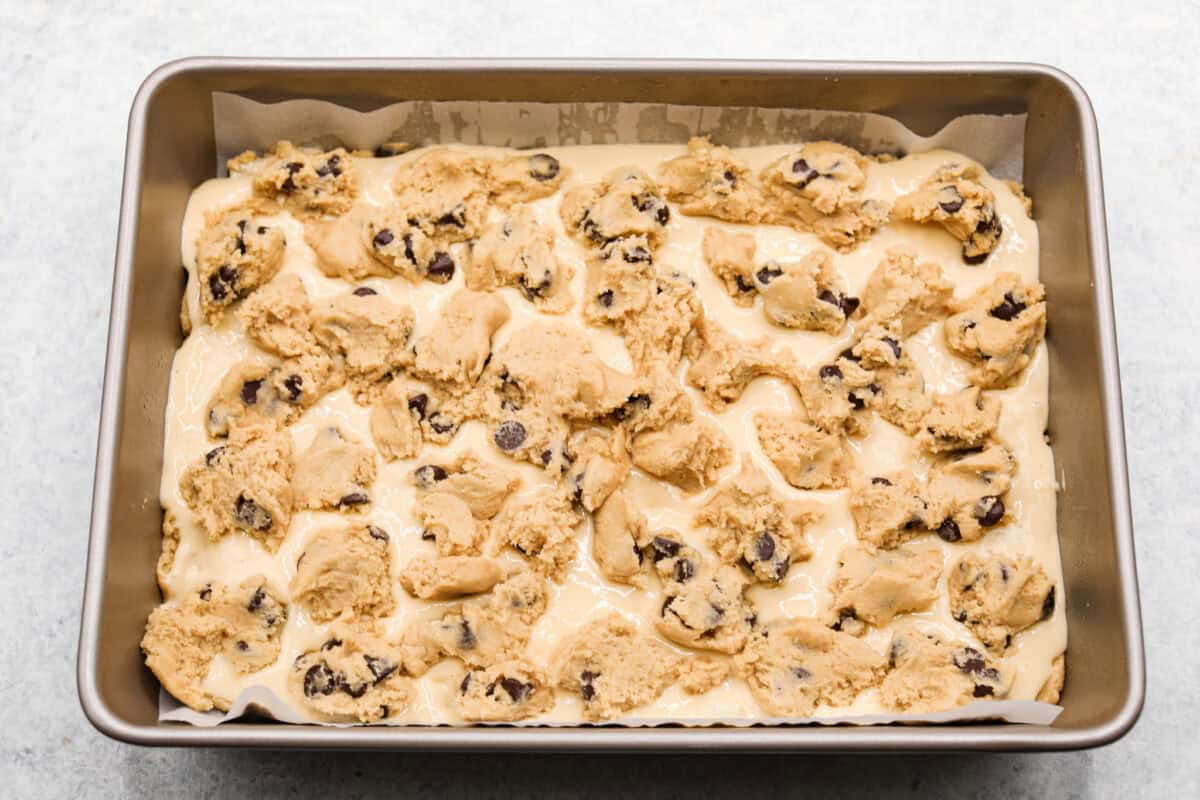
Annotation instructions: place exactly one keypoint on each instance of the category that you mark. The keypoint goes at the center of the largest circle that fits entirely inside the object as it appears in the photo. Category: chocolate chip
(849, 305)
(466, 636)
(636, 255)
(1048, 603)
(830, 371)
(331, 167)
(961, 616)
(330, 644)
(546, 456)
(744, 285)
(844, 615)
(664, 548)
(509, 435)
(429, 474)
(250, 392)
(418, 403)
(212, 456)
(380, 667)
(262, 229)
(516, 689)
(881, 481)
(989, 223)
(848, 354)
(295, 386)
(586, 689)
(221, 283)
(764, 547)
(319, 680)
(768, 273)
(801, 673)
(970, 661)
(1009, 309)
(949, 531)
(543, 167)
(377, 533)
(355, 690)
(256, 600)
(240, 244)
(663, 215)
(250, 515)
(466, 683)
(441, 423)
(539, 289)
(456, 216)
(206, 592)
(684, 570)
(353, 499)
(605, 298)
(441, 269)
(781, 569)
(856, 402)
(949, 199)
(383, 238)
(408, 249)
(974, 260)
(892, 343)
(730, 178)
(827, 296)
(989, 510)
(805, 173)
(982, 690)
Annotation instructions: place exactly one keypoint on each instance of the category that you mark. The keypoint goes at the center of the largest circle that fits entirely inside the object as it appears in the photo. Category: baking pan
(170, 150)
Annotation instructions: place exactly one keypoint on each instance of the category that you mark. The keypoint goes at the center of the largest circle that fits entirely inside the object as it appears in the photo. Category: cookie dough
(806, 456)
(966, 493)
(241, 624)
(356, 675)
(519, 251)
(872, 589)
(906, 292)
(962, 420)
(928, 674)
(709, 181)
(542, 528)
(306, 181)
(334, 473)
(730, 256)
(619, 536)
(613, 667)
(236, 253)
(954, 198)
(794, 665)
(371, 335)
(626, 203)
(888, 509)
(505, 692)
(704, 604)
(807, 294)
(449, 577)
(345, 570)
(454, 353)
(999, 329)
(997, 597)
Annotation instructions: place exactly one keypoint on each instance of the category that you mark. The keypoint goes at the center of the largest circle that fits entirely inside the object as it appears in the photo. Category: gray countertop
(70, 71)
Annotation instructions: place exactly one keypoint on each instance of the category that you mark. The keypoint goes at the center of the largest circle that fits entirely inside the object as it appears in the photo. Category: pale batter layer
(652, 432)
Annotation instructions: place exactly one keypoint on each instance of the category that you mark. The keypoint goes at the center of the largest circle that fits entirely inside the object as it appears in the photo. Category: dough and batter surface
(609, 432)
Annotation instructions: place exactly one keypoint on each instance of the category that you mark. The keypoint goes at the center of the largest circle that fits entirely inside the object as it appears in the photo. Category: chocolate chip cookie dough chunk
(601, 464)
(447, 521)
(454, 353)
(243, 488)
(397, 243)
(505, 692)
(449, 577)
(955, 198)
(278, 318)
(482, 631)
(334, 473)
(444, 192)
(613, 667)
(524, 177)
(837, 396)
(998, 329)
(248, 402)
(806, 456)
(962, 420)
(793, 666)
(407, 415)
(730, 256)
(370, 334)
(342, 244)
(166, 556)
(543, 528)
(723, 365)
(235, 254)
(967, 490)
(708, 181)
(518, 251)
(873, 589)
(183, 637)
(749, 524)
(619, 536)
(626, 203)
(658, 334)
(345, 569)
(306, 181)
(901, 398)
(808, 294)
(621, 277)
(927, 674)
(907, 292)
(704, 604)
(998, 596)
(888, 509)
(687, 453)
(355, 676)
(819, 188)
(1051, 691)
(479, 485)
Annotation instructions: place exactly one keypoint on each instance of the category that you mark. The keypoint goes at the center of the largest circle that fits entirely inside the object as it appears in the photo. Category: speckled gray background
(68, 72)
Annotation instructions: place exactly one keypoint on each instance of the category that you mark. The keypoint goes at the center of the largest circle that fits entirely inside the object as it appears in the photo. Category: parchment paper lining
(240, 124)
